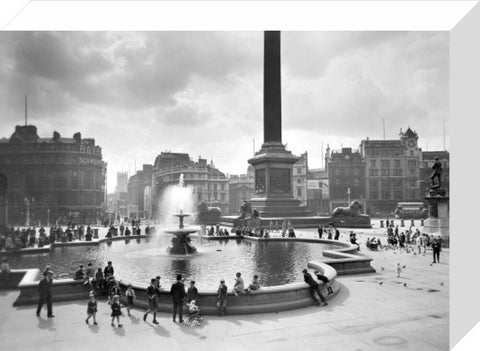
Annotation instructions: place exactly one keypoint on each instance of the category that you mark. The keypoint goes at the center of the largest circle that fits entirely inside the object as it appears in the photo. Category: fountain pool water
(139, 260)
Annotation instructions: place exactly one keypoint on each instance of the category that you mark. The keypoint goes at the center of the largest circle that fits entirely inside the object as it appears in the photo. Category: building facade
(241, 188)
(208, 183)
(300, 171)
(136, 192)
(121, 197)
(346, 175)
(391, 172)
(52, 179)
(318, 191)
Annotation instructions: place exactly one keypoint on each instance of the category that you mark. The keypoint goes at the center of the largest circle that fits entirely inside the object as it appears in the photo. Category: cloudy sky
(140, 93)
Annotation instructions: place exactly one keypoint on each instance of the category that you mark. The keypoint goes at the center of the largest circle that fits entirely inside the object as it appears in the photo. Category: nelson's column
(273, 163)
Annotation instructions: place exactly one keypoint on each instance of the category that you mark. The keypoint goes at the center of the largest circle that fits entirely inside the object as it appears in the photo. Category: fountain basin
(181, 244)
(267, 299)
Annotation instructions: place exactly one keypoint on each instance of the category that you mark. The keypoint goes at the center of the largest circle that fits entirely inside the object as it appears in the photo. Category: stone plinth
(273, 183)
(438, 221)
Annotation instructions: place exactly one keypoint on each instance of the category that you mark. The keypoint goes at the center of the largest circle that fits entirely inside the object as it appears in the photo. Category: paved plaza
(372, 312)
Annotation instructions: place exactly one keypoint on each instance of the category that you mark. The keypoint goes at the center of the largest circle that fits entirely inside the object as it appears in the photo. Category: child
(130, 294)
(325, 280)
(193, 313)
(255, 285)
(113, 288)
(239, 286)
(398, 269)
(91, 309)
(116, 310)
(222, 298)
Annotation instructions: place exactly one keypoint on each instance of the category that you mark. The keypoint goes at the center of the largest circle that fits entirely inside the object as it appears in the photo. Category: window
(386, 190)
(385, 163)
(397, 163)
(356, 182)
(215, 187)
(356, 171)
(412, 163)
(299, 192)
(374, 190)
(397, 189)
(215, 196)
(385, 171)
(373, 163)
(222, 197)
(397, 172)
(75, 180)
(373, 172)
(299, 181)
(397, 194)
(299, 171)
(412, 183)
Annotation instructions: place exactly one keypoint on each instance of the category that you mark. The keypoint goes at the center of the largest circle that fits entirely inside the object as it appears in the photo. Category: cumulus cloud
(140, 93)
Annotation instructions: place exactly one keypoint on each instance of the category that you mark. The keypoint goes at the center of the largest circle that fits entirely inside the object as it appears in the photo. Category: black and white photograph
(225, 190)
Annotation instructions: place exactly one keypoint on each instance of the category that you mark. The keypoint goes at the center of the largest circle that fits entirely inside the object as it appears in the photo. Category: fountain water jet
(180, 196)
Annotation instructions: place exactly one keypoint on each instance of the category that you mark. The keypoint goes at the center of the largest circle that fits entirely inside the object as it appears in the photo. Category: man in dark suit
(178, 295)
(45, 293)
(314, 289)
(108, 271)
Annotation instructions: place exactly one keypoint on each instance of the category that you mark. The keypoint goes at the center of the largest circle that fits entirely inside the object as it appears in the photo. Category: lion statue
(352, 211)
(208, 215)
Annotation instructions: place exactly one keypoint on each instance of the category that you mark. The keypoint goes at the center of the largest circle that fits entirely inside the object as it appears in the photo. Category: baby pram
(193, 315)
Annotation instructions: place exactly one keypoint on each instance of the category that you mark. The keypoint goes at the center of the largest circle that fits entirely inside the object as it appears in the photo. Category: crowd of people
(15, 239)
(330, 232)
(124, 230)
(286, 230)
(408, 241)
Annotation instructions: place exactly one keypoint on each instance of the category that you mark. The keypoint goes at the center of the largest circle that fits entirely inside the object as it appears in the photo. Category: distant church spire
(26, 109)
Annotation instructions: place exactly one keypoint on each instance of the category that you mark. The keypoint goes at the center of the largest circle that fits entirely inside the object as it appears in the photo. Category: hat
(158, 277)
(222, 281)
(116, 296)
(91, 295)
(304, 271)
(193, 301)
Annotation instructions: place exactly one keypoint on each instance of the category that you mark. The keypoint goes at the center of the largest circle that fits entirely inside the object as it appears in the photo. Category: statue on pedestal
(437, 172)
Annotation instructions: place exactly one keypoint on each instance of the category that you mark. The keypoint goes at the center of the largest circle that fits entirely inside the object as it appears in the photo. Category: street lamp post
(48, 218)
(6, 212)
(28, 203)
(348, 193)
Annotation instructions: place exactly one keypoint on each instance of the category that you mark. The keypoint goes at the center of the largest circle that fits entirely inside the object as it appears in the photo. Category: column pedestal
(438, 221)
(274, 183)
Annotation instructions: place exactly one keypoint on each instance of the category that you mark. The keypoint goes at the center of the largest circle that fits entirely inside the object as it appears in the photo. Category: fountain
(179, 197)
(181, 243)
